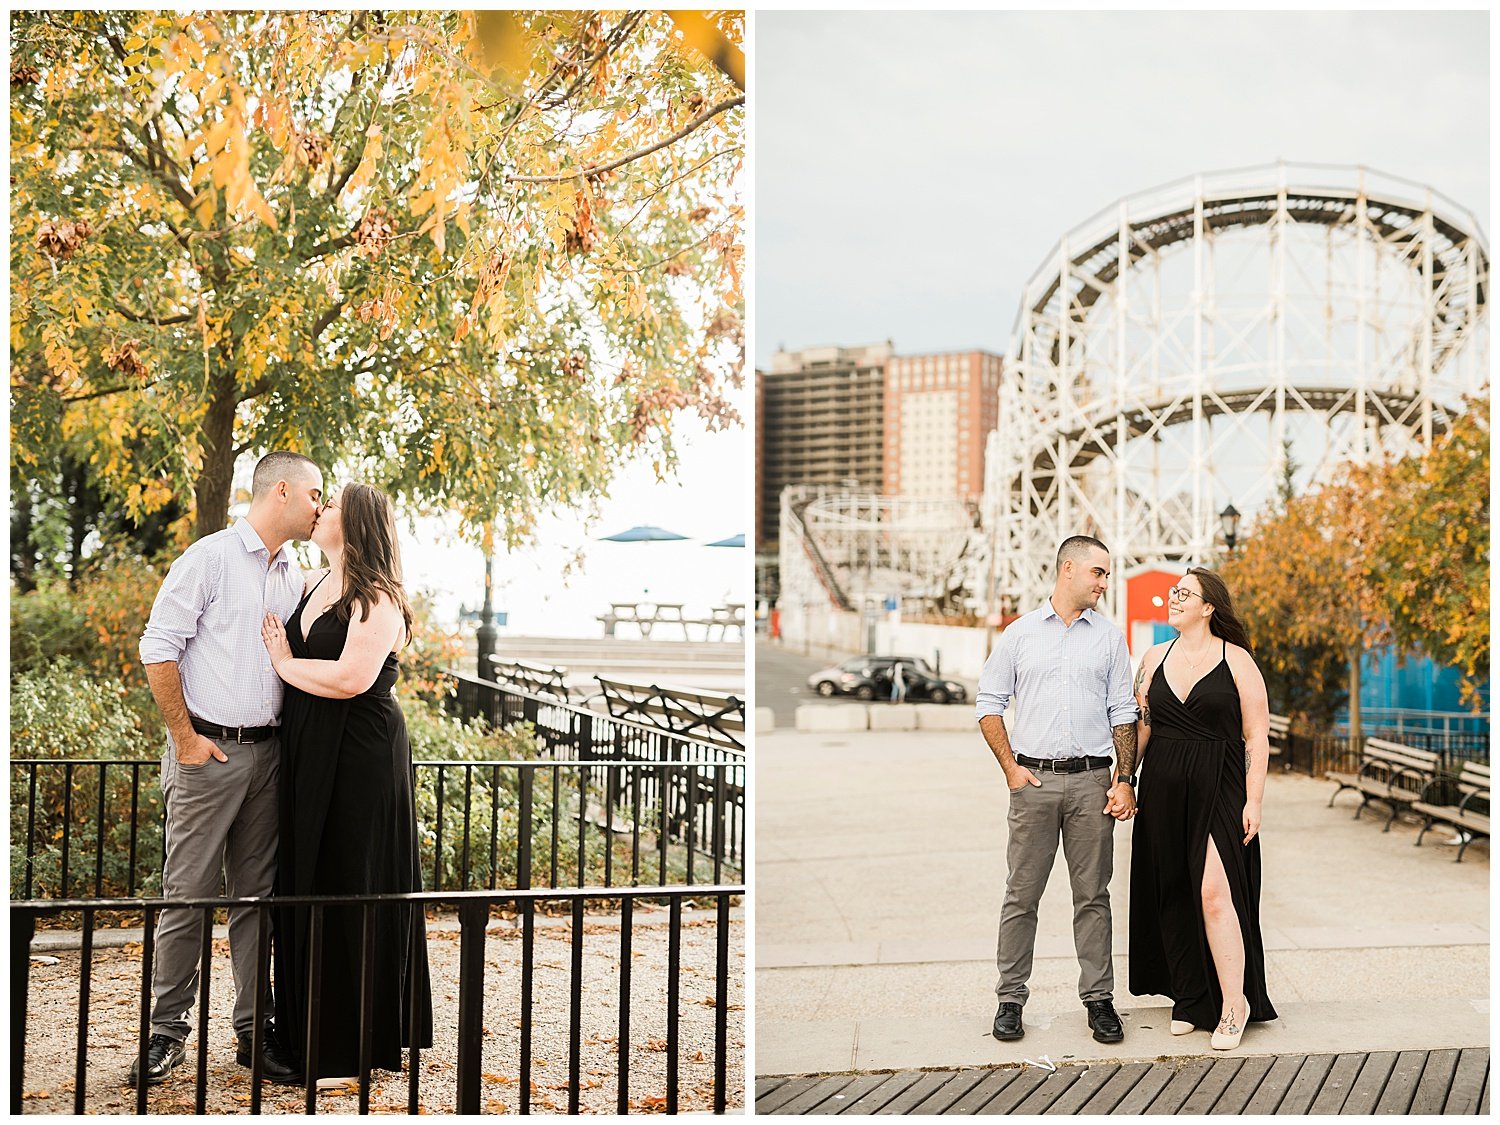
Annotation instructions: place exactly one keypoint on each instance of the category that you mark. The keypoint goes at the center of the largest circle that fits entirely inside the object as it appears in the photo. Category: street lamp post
(1229, 524)
(487, 632)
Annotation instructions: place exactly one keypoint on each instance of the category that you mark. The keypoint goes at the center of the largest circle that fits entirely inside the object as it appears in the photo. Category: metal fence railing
(94, 827)
(474, 996)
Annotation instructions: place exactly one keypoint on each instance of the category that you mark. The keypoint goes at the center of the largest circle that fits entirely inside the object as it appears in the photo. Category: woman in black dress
(348, 818)
(1195, 855)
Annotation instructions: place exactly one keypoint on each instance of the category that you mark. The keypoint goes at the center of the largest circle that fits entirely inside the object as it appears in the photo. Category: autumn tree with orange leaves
(479, 258)
(1394, 552)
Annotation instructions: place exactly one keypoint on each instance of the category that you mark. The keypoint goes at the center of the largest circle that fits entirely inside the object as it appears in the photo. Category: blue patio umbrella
(732, 541)
(642, 534)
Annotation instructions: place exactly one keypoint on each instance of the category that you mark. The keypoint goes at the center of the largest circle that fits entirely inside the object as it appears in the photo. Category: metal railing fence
(474, 909)
(94, 827)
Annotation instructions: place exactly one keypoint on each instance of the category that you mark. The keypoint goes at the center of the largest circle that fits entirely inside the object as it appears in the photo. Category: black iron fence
(613, 802)
(94, 827)
(475, 999)
(1317, 754)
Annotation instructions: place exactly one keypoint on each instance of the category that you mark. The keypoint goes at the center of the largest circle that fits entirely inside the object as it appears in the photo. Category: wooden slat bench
(1388, 772)
(534, 679)
(1280, 733)
(1470, 813)
(701, 715)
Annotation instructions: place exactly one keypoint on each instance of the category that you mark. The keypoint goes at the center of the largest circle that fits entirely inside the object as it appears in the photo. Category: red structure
(1142, 614)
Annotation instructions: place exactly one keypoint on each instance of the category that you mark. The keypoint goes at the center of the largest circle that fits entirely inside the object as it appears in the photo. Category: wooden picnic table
(644, 616)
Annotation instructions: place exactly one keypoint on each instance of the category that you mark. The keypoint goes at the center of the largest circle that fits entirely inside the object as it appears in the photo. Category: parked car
(869, 677)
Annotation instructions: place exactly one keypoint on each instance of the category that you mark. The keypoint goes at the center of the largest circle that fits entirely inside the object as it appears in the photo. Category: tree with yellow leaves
(480, 258)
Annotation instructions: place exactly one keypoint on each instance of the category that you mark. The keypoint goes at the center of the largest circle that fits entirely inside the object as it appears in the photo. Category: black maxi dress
(348, 826)
(1192, 796)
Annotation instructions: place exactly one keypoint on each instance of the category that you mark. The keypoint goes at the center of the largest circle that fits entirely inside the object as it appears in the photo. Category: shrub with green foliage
(64, 712)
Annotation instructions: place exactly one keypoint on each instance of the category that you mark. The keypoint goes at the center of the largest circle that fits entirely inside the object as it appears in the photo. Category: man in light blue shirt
(1060, 676)
(221, 701)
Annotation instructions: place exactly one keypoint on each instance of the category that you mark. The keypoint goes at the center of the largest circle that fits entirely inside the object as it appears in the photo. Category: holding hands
(1121, 803)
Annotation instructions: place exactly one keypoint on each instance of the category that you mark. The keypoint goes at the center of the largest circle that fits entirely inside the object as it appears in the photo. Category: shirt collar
(1088, 614)
(255, 545)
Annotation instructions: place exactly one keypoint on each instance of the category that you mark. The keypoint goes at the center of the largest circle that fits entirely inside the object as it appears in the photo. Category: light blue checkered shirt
(207, 618)
(1065, 687)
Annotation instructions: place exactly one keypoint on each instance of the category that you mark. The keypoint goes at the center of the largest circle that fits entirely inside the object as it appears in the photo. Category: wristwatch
(1128, 779)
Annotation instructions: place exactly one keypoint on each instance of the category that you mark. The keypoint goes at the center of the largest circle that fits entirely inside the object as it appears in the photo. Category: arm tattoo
(1125, 748)
(1140, 678)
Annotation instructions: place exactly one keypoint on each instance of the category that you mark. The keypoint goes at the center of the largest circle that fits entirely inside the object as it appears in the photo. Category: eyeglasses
(1180, 594)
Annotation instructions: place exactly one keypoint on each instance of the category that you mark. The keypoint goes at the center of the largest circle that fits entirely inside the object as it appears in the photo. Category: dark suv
(869, 677)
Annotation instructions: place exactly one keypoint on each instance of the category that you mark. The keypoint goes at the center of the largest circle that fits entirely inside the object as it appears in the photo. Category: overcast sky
(912, 170)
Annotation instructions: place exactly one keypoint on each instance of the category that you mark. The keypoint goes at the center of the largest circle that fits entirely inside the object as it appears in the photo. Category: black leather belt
(245, 736)
(1064, 765)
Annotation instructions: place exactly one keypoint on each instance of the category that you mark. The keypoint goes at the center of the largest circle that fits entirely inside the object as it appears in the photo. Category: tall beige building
(820, 419)
(939, 410)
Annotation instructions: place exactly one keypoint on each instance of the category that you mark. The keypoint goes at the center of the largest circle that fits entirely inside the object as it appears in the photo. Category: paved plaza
(880, 869)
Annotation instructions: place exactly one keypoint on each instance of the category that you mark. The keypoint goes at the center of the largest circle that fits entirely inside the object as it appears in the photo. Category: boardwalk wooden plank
(809, 1097)
(1437, 1076)
(1275, 1084)
(1190, 1072)
(1120, 1083)
(1214, 1083)
(1304, 1089)
(983, 1090)
(1241, 1089)
(1090, 1080)
(1052, 1088)
(1016, 1092)
(764, 1086)
(1339, 1082)
(1401, 1087)
(766, 1101)
(1365, 1092)
(934, 1092)
(1144, 1092)
(867, 1088)
(949, 1095)
(1468, 1080)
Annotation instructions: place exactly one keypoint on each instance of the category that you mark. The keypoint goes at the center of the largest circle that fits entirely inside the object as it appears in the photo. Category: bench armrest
(1481, 794)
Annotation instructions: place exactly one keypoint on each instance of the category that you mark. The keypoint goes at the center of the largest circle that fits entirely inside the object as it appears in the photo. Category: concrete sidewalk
(879, 877)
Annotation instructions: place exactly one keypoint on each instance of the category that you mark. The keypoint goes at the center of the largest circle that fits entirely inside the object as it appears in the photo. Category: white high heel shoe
(1226, 1036)
(1183, 1027)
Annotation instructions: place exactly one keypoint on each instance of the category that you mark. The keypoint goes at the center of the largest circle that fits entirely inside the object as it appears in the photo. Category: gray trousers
(1070, 807)
(221, 824)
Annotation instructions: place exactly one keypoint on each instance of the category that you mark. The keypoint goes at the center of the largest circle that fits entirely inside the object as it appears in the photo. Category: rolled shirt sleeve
(997, 680)
(1122, 704)
(180, 602)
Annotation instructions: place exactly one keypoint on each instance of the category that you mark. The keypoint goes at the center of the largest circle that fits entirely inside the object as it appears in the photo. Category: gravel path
(52, 1027)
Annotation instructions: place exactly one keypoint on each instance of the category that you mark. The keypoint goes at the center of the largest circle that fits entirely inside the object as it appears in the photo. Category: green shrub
(63, 712)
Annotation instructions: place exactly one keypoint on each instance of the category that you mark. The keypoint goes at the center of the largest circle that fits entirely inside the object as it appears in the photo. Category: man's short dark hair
(281, 464)
(1077, 548)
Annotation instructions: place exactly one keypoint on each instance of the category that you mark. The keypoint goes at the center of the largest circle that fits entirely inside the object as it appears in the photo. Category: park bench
(1280, 734)
(1388, 772)
(1437, 802)
(704, 716)
(533, 679)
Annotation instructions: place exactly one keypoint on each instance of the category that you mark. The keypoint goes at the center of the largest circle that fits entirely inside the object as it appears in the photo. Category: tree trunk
(1356, 739)
(22, 550)
(217, 476)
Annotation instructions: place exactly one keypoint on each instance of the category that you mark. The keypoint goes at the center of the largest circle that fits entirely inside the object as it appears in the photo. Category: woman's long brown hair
(1222, 622)
(372, 554)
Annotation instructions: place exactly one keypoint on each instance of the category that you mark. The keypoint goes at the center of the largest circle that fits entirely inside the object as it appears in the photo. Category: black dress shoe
(1104, 1021)
(162, 1054)
(276, 1063)
(1008, 1021)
